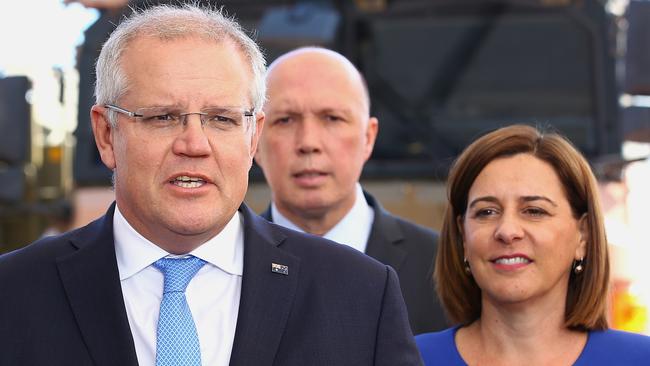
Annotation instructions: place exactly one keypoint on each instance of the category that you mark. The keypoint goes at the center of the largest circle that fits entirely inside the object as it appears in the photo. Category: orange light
(629, 313)
(54, 154)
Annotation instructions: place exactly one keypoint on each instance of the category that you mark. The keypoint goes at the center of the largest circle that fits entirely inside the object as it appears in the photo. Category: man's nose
(192, 140)
(309, 136)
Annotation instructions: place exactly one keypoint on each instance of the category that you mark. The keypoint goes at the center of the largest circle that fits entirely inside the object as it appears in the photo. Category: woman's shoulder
(619, 337)
(436, 338)
(439, 347)
(615, 347)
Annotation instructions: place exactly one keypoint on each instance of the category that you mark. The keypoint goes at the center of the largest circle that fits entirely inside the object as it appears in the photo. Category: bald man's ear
(371, 136)
(257, 158)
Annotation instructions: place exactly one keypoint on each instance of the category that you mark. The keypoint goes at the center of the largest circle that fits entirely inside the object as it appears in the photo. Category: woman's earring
(467, 269)
(577, 266)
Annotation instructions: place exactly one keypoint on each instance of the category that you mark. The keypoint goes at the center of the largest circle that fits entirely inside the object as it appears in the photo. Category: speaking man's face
(180, 187)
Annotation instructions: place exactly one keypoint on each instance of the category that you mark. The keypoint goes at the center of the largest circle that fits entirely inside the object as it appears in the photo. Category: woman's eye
(535, 211)
(485, 212)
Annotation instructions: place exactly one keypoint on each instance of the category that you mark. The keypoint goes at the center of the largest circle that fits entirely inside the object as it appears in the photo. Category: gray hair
(169, 22)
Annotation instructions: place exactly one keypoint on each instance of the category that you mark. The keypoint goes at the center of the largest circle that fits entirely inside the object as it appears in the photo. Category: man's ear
(103, 133)
(260, 117)
(371, 136)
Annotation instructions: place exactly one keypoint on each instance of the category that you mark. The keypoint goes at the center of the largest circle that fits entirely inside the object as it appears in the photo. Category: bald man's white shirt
(212, 295)
(353, 230)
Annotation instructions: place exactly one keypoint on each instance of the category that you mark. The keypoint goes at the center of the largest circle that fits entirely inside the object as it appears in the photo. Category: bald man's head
(313, 58)
(317, 136)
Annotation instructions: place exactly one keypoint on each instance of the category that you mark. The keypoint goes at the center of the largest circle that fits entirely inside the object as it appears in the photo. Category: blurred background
(440, 73)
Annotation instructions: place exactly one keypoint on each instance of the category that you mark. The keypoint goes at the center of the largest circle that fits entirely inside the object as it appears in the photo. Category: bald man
(317, 137)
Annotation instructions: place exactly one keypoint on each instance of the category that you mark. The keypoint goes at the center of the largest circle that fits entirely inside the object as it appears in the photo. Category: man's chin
(197, 226)
(313, 209)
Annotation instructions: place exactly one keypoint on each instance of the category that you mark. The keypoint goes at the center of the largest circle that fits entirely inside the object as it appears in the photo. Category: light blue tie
(178, 342)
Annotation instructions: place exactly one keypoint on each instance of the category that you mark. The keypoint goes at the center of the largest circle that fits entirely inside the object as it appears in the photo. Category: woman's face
(520, 236)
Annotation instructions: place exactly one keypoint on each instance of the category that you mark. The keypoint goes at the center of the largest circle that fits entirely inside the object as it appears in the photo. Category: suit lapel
(91, 281)
(267, 214)
(266, 295)
(385, 234)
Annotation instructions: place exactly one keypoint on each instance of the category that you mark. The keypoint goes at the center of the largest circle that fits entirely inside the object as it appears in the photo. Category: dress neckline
(460, 357)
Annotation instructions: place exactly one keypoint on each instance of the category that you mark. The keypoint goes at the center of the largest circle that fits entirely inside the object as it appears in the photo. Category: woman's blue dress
(606, 348)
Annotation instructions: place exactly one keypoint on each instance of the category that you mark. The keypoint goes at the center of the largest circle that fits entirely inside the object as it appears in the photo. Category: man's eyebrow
(163, 106)
(334, 109)
(286, 109)
(345, 113)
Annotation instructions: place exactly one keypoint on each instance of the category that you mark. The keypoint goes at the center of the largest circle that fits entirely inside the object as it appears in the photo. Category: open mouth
(185, 181)
(512, 261)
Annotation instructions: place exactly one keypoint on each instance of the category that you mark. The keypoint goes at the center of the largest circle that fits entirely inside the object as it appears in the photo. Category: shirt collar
(134, 252)
(353, 229)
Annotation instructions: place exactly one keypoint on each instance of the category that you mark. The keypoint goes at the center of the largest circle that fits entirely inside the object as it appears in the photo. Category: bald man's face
(317, 136)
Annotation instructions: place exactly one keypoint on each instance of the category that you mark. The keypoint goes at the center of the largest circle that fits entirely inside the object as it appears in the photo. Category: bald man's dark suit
(62, 303)
(410, 249)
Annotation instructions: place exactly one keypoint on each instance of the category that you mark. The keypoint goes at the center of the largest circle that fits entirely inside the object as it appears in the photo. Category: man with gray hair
(179, 271)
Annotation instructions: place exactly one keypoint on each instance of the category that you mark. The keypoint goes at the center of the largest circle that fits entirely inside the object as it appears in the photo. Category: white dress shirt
(353, 229)
(212, 295)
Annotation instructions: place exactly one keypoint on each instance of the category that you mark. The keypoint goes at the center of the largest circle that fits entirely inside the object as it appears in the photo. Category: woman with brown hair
(522, 265)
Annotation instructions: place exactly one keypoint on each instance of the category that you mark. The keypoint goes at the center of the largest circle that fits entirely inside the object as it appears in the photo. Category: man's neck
(317, 220)
(317, 223)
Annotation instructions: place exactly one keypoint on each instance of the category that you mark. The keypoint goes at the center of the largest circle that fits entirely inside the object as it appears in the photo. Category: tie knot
(178, 272)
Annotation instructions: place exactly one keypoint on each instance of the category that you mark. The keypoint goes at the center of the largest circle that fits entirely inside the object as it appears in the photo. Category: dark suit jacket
(61, 303)
(410, 249)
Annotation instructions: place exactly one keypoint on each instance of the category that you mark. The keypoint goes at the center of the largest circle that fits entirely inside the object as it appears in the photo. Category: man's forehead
(312, 55)
(315, 76)
(313, 64)
(296, 97)
(142, 64)
(299, 107)
(145, 43)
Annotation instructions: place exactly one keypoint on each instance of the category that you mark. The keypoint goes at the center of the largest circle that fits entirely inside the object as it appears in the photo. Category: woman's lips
(511, 262)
